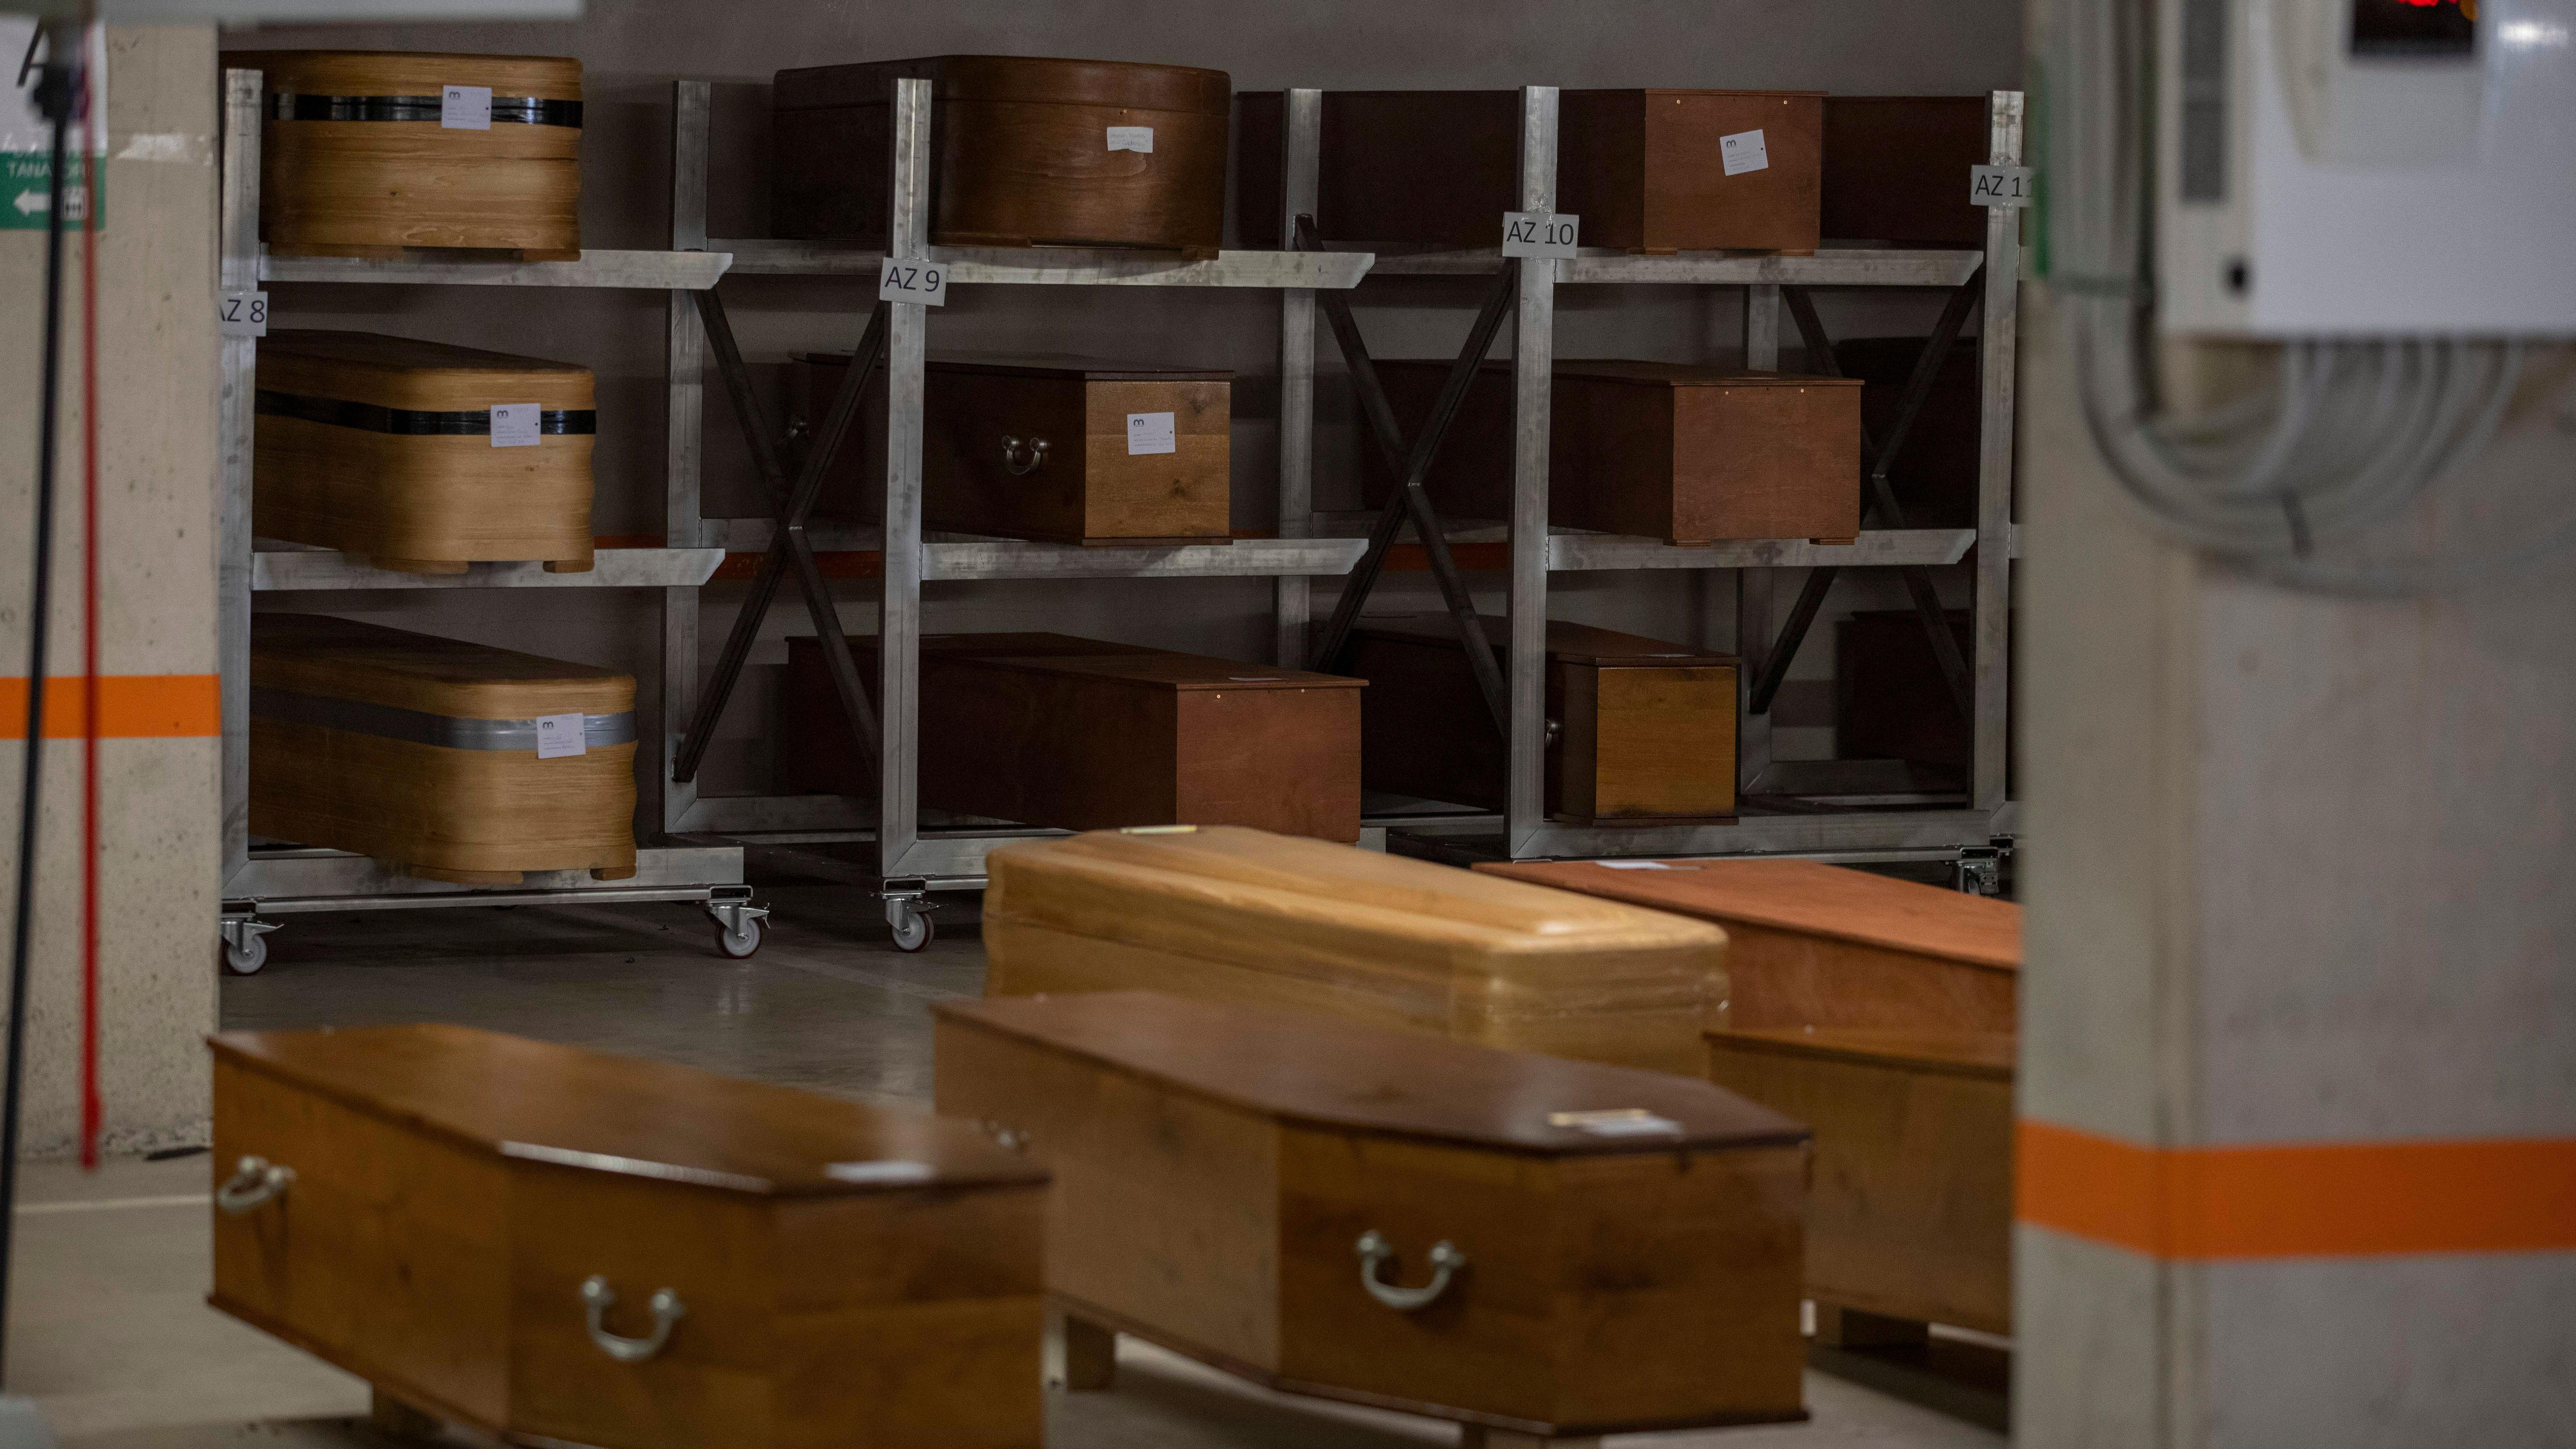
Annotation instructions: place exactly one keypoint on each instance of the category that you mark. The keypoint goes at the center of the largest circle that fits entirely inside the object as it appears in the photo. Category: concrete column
(2298, 1074)
(158, 805)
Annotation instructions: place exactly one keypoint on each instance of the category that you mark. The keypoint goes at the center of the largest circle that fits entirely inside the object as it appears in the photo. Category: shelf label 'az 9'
(1539, 233)
(2005, 186)
(913, 281)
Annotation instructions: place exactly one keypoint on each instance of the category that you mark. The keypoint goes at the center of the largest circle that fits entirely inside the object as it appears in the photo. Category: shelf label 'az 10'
(1539, 233)
(913, 280)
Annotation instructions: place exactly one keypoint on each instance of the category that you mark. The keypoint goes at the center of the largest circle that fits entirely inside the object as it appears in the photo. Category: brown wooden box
(1935, 473)
(1641, 167)
(1241, 916)
(355, 162)
(845, 1273)
(1827, 946)
(1645, 730)
(1896, 169)
(1891, 701)
(1020, 152)
(1909, 1212)
(1684, 452)
(1218, 1171)
(422, 752)
(1039, 447)
(1083, 735)
(381, 447)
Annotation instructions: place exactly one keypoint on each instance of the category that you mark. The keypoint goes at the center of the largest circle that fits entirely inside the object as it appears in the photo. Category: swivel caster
(245, 944)
(909, 915)
(738, 928)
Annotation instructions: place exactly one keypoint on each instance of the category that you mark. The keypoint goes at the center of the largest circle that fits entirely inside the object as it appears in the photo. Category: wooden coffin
(1684, 452)
(363, 155)
(1896, 169)
(1627, 1243)
(1645, 730)
(1934, 474)
(1062, 449)
(1909, 1213)
(424, 752)
(1645, 169)
(1025, 151)
(1244, 917)
(1891, 700)
(1824, 945)
(386, 448)
(1082, 735)
(837, 1273)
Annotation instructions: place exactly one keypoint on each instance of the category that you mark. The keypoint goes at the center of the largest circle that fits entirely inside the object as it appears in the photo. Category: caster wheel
(737, 945)
(913, 932)
(247, 958)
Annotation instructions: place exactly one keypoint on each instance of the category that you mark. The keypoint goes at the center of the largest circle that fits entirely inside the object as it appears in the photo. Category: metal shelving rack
(288, 880)
(911, 861)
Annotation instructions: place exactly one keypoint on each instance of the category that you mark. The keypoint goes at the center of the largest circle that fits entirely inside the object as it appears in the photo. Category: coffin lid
(1046, 364)
(540, 1102)
(1573, 643)
(1987, 1055)
(1024, 78)
(1645, 373)
(1324, 1071)
(404, 372)
(1322, 911)
(345, 659)
(1803, 896)
(408, 73)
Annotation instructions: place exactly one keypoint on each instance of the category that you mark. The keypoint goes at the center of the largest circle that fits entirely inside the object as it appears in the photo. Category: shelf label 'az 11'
(913, 280)
(1539, 233)
(2005, 186)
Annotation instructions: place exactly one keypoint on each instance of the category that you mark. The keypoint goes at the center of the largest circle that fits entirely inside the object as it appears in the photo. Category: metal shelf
(1055, 266)
(1833, 267)
(294, 568)
(951, 556)
(1575, 550)
(648, 271)
(305, 880)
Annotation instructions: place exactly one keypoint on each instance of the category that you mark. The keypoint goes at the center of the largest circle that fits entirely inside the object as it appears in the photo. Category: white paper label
(514, 425)
(1640, 865)
(465, 108)
(913, 281)
(242, 314)
(1132, 138)
(884, 1170)
(1540, 233)
(1617, 1122)
(559, 735)
(1151, 433)
(2005, 186)
(1743, 152)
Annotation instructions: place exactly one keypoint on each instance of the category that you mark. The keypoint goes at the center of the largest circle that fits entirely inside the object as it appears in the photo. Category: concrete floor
(110, 1333)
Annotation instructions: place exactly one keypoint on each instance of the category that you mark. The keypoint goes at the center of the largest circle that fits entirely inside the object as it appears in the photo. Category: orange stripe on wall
(2316, 1200)
(130, 707)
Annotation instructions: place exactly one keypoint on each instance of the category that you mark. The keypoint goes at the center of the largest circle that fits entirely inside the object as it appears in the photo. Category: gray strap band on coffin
(528, 110)
(446, 731)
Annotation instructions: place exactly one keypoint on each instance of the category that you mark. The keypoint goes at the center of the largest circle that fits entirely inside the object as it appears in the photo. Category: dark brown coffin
(1646, 729)
(1038, 447)
(1935, 473)
(1020, 152)
(1216, 1168)
(1641, 167)
(1684, 452)
(1896, 169)
(1051, 730)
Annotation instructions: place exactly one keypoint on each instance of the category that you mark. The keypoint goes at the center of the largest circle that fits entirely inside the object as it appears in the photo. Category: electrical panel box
(2367, 167)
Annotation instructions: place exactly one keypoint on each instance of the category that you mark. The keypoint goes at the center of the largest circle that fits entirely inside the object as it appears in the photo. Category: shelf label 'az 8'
(913, 280)
(1540, 233)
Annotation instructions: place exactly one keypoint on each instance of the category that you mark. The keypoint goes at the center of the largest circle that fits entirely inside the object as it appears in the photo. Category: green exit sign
(27, 191)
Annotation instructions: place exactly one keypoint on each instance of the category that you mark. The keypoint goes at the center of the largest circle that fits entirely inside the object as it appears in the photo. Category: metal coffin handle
(1375, 1249)
(254, 1184)
(1012, 462)
(597, 1298)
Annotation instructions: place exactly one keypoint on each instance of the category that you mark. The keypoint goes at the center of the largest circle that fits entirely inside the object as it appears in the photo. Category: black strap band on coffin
(371, 418)
(526, 110)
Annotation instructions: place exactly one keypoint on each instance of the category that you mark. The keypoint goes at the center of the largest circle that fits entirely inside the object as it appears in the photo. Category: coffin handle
(1013, 461)
(254, 1184)
(597, 1298)
(1375, 1249)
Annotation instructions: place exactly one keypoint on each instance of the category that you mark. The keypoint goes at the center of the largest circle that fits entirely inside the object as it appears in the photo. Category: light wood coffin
(423, 752)
(383, 448)
(1824, 945)
(1242, 917)
(361, 155)
(843, 1274)
(1645, 731)
(1025, 151)
(1909, 1214)
(1628, 1241)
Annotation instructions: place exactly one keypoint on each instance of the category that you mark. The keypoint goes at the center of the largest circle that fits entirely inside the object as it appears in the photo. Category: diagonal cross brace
(1918, 581)
(788, 547)
(1411, 501)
